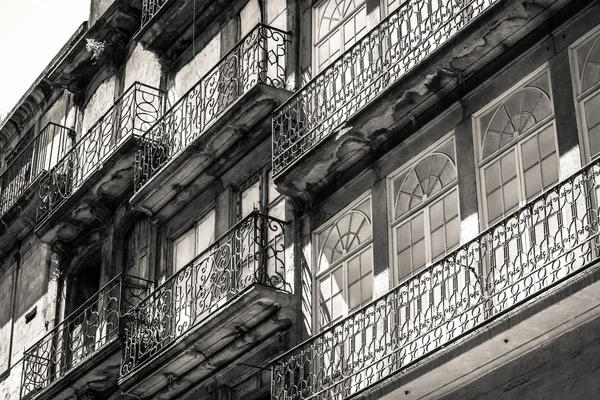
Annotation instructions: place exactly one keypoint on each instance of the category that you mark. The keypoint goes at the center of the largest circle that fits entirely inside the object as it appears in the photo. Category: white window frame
(316, 42)
(516, 143)
(318, 275)
(423, 207)
(581, 97)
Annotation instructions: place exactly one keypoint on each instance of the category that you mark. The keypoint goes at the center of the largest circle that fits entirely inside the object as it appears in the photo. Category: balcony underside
(91, 202)
(163, 32)
(238, 130)
(426, 91)
(20, 218)
(241, 332)
(550, 319)
(97, 374)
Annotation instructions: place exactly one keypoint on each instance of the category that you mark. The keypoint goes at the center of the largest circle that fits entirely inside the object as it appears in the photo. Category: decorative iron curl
(240, 258)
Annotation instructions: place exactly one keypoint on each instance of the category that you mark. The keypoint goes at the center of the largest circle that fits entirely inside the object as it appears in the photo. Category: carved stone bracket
(75, 84)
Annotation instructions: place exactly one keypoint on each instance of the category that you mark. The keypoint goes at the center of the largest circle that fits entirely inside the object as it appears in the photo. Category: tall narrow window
(344, 274)
(338, 24)
(425, 220)
(585, 57)
(194, 241)
(517, 147)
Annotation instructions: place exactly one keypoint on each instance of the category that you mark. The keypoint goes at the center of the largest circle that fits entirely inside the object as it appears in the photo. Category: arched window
(338, 24)
(425, 221)
(517, 147)
(586, 74)
(344, 272)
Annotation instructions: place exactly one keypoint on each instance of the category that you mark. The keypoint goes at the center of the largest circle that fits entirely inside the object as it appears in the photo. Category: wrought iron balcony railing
(134, 112)
(84, 333)
(401, 41)
(252, 252)
(541, 245)
(258, 58)
(150, 8)
(39, 156)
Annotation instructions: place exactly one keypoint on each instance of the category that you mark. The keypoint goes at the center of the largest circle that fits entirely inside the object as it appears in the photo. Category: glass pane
(205, 232)
(403, 236)
(417, 227)
(533, 181)
(184, 249)
(494, 205)
(367, 288)
(550, 171)
(492, 177)
(419, 256)
(354, 270)
(530, 152)
(438, 242)
(436, 215)
(354, 295)
(325, 288)
(366, 262)
(250, 199)
(511, 195)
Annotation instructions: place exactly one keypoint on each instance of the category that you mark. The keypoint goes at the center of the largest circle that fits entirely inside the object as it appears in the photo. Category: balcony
(216, 123)
(517, 282)
(395, 78)
(98, 168)
(83, 350)
(21, 178)
(226, 303)
(166, 24)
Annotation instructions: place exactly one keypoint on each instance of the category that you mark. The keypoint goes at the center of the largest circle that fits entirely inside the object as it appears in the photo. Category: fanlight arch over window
(589, 61)
(347, 234)
(427, 178)
(331, 13)
(518, 114)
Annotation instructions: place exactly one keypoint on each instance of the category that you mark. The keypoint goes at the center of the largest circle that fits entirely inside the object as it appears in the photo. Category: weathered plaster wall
(7, 277)
(29, 275)
(99, 102)
(57, 112)
(31, 294)
(142, 66)
(193, 71)
(99, 7)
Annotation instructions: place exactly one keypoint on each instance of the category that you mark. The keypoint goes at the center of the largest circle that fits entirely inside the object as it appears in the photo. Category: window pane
(533, 181)
(184, 249)
(250, 199)
(205, 232)
(354, 270)
(550, 171)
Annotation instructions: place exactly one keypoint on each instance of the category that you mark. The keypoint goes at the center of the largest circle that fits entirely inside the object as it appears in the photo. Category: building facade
(289, 199)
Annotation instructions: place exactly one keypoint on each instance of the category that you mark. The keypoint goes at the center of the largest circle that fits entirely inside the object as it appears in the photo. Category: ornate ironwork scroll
(385, 54)
(258, 58)
(252, 252)
(132, 114)
(150, 8)
(81, 335)
(547, 241)
(39, 156)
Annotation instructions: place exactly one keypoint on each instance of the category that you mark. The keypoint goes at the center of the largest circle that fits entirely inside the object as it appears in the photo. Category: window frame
(175, 238)
(317, 276)
(481, 163)
(315, 41)
(580, 97)
(394, 223)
